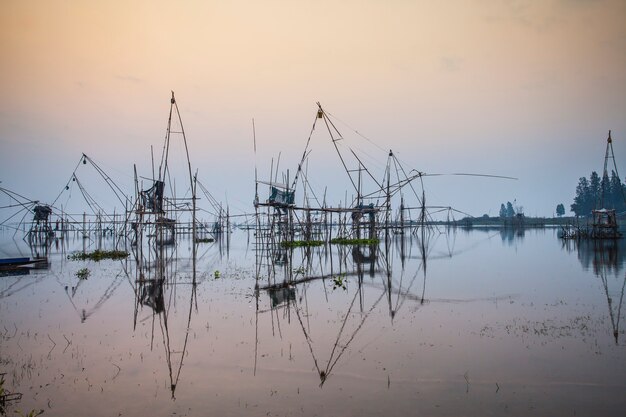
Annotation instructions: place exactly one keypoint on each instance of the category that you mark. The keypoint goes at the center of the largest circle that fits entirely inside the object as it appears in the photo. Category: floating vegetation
(340, 281)
(347, 241)
(301, 243)
(204, 240)
(217, 274)
(83, 273)
(99, 255)
(579, 326)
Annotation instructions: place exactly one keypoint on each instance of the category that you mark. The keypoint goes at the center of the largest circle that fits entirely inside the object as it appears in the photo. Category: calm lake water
(458, 323)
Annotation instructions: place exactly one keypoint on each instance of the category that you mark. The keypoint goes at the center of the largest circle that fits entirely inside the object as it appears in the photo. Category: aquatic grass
(340, 281)
(98, 255)
(347, 241)
(301, 243)
(83, 273)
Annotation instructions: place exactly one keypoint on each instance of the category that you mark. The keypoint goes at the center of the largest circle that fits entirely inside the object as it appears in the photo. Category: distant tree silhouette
(616, 193)
(596, 193)
(582, 203)
(604, 198)
(502, 211)
(560, 210)
(510, 211)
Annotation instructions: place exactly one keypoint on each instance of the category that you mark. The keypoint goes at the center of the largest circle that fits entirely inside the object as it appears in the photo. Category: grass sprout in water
(83, 273)
(340, 281)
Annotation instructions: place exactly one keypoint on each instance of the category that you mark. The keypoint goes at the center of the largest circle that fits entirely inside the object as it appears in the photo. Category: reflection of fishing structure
(301, 283)
(288, 278)
(14, 282)
(290, 296)
(402, 291)
(420, 249)
(155, 287)
(86, 308)
(606, 258)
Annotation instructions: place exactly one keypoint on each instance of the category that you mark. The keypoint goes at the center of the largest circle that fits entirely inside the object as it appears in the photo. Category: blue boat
(8, 264)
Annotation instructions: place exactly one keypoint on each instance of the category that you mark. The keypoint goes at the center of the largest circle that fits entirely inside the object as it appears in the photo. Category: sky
(526, 89)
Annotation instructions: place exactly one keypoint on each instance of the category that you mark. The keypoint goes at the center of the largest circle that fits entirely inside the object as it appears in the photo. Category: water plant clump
(340, 281)
(99, 255)
(83, 273)
(347, 241)
(301, 243)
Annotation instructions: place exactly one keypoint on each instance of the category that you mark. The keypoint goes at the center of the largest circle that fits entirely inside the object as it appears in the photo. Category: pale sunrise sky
(527, 89)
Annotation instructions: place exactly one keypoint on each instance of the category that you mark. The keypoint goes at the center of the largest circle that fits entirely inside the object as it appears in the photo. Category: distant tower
(609, 155)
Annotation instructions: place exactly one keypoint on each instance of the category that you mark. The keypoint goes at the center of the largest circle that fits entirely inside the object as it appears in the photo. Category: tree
(560, 210)
(605, 197)
(510, 212)
(616, 193)
(594, 194)
(582, 202)
(502, 211)
(605, 192)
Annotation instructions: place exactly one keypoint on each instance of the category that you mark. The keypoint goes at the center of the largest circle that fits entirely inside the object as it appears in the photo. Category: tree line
(509, 211)
(595, 193)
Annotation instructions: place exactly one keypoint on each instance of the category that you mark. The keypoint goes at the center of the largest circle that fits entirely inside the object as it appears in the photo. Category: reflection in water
(156, 284)
(511, 235)
(84, 312)
(342, 341)
(282, 296)
(287, 275)
(606, 257)
(82, 303)
(298, 282)
(151, 295)
(16, 281)
(419, 327)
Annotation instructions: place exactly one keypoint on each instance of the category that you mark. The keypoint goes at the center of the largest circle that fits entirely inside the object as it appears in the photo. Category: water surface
(486, 322)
